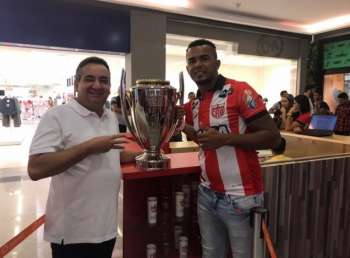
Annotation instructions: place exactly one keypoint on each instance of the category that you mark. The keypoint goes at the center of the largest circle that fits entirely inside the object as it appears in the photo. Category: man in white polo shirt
(78, 146)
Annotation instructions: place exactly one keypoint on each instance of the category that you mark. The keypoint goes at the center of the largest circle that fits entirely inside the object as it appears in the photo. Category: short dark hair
(191, 93)
(343, 95)
(89, 60)
(283, 92)
(303, 102)
(280, 149)
(202, 42)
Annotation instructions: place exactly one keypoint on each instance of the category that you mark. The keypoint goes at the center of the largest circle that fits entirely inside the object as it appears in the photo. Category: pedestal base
(147, 161)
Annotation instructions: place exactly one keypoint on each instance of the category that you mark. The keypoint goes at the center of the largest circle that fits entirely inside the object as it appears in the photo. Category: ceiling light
(325, 25)
(329, 24)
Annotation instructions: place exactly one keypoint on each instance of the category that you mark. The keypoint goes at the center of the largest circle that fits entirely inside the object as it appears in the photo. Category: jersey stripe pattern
(229, 169)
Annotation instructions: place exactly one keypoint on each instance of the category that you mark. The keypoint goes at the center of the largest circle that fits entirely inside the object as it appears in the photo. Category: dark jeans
(6, 120)
(84, 250)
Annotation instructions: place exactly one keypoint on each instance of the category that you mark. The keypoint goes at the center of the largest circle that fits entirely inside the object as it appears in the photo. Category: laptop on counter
(321, 125)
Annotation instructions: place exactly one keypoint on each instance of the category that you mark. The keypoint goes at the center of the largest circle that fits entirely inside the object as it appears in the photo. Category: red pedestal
(163, 184)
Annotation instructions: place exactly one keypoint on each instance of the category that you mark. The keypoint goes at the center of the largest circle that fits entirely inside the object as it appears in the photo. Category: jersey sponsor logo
(250, 101)
(218, 110)
(225, 92)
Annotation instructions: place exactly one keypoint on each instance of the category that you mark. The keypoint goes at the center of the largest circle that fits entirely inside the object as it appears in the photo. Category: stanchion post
(258, 214)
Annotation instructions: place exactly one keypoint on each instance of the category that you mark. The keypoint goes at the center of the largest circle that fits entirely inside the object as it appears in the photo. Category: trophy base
(148, 162)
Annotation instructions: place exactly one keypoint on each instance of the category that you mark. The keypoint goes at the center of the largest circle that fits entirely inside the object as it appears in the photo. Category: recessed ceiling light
(329, 24)
(322, 26)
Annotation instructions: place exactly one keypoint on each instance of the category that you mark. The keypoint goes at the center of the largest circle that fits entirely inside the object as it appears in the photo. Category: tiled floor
(22, 200)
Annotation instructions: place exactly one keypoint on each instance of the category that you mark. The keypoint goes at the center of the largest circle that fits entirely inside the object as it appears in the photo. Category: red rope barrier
(10, 245)
(268, 241)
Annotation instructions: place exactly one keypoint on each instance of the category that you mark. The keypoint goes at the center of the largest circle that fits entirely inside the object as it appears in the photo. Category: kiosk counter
(306, 196)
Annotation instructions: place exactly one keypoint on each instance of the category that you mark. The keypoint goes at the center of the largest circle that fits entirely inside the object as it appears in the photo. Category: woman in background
(280, 115)
(299, 116)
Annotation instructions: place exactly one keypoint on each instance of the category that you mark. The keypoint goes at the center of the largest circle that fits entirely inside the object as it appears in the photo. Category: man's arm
(53, 163)
(264, 135)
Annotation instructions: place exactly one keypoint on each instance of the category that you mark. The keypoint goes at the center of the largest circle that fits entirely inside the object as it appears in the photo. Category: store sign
(336, 55)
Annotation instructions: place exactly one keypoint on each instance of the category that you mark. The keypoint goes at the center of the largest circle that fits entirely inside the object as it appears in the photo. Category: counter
(307, 198)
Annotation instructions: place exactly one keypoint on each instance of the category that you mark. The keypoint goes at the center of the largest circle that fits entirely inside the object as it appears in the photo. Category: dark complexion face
(202, 66)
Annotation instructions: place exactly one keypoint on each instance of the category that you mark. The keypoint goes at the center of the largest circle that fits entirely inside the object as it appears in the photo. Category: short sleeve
(48, 135)
(250, 103)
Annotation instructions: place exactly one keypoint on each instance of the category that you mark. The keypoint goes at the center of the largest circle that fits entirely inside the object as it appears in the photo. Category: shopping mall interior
(255, 44)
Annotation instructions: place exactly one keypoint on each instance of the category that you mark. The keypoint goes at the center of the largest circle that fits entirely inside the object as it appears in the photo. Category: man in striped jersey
(229, 122)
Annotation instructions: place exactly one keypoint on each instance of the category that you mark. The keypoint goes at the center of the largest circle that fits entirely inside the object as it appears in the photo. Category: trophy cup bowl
(151, 119)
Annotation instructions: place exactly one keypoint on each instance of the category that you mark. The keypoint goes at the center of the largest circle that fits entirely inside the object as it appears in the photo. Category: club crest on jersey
(250, 101)
(218, 110)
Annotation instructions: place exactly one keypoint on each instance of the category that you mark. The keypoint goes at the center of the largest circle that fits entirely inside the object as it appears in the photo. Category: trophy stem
(150, 160)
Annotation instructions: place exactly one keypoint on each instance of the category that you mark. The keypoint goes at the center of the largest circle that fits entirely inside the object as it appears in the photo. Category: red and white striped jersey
(228, 109)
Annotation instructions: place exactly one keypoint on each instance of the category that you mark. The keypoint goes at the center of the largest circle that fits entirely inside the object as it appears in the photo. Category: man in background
(309, 91)
(277, 105)
(343, 114)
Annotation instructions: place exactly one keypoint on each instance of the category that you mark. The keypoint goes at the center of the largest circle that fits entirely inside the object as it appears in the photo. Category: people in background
(316, 100)
(78, 145)
(117, 109)
(280, 115)
(229, 123)
(299, 116)
(309, 91)
(50, 102)
(188, 107)
(343, 114)
(277, 105)
(323, 109)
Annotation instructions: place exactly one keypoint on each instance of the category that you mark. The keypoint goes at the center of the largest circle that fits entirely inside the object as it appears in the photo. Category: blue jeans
(224, 221)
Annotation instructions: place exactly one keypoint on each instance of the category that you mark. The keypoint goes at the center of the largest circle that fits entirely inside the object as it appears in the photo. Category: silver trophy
(149, 109)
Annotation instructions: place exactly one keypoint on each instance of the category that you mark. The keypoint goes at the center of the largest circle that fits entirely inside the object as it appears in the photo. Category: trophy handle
(179, 95)
(125, 100)
(181, 87)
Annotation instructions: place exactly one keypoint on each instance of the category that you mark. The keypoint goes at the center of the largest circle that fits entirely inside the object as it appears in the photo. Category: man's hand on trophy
(103, 144)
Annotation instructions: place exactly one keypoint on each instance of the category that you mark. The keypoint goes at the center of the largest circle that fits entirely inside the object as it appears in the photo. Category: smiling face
(202, 65)
(93, 87)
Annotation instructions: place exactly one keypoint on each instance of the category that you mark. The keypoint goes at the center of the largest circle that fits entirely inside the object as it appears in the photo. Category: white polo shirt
(82, 201)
